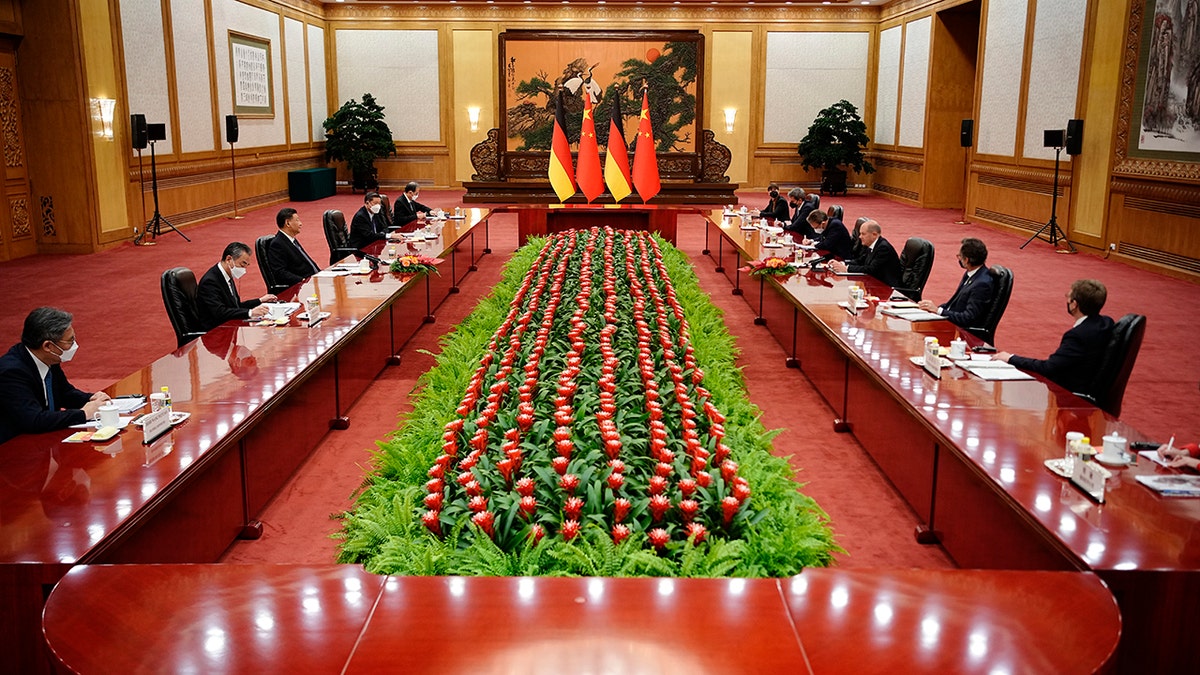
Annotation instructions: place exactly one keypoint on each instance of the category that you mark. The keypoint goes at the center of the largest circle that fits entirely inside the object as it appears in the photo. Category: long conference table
(71, 512)
(968, 455)
(260, 399)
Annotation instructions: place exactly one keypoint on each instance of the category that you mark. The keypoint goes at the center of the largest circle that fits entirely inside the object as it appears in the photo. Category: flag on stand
(562, 175)
(616, 162)
(645, 162)
(588, 173)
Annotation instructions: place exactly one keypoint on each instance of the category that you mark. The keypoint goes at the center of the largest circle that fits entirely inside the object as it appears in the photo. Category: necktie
(306, 256)
(233, 288)
(50, 391)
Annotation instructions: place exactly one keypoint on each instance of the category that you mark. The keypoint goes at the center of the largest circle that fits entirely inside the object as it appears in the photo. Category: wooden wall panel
(1155, 226)
(899, 175)
(1017, 198)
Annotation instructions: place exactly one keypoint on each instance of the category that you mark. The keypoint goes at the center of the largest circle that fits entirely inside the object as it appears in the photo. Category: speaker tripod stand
(1051, 229)
(157, 221)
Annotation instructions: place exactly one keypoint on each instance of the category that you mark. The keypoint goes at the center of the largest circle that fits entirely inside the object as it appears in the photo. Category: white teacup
(1114, 448)
(109, 415)
(278, 311)
(958, 349)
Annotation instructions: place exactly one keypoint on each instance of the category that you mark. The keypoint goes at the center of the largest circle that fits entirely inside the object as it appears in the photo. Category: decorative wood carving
(598, 14)
(1135, 166)
(715, 160)
(485, 157)
(1185, 194)
(1027, 174)
(13, 155)
(19, 209)
(49, 229)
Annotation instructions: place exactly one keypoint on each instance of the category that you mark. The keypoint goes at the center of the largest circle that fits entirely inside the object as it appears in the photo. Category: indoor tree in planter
(357, 135)
(836, 140)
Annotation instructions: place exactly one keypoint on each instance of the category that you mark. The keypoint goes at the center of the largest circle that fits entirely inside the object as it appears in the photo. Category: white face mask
(237, 272)
(68, 354)
(374, 209)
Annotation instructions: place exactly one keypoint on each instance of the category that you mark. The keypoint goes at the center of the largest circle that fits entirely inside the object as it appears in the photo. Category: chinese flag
(588, 173)
(645, 162)
(616, 162)
(562, 176)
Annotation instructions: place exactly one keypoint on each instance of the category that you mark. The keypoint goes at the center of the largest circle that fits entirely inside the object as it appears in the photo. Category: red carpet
(122, 326)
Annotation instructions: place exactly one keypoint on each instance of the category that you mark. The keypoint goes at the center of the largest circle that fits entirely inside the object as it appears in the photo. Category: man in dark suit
(878, 257)
(366, 227)
(290, 263)
(799, 225)
(407, 207)
(217, 297)
(35, 395)
(833, 239)
(777, 207)
(975, 292)
(1073, 365)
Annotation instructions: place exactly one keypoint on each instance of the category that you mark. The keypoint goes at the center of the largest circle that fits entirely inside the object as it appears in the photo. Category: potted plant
(836, 140)
(357, 135)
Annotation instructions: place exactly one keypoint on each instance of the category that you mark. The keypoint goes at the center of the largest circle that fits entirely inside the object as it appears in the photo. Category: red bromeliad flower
(659, 505)
(569, 529)
(696, 532)
(592, 299)
(621, 508)
(569, 482)
(659, 537)
(432, 521)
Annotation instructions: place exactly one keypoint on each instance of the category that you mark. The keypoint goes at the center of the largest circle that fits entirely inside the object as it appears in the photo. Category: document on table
(333, 272)
(95, 424)
(848, 273)
(913, 314)
(994, 370)
(288, 307)
(1152, 455)
(1174, 485)
(127, 404)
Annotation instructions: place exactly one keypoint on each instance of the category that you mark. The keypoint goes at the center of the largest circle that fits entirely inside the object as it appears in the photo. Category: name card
(155, 424)
(1090, 477)
(932, 360)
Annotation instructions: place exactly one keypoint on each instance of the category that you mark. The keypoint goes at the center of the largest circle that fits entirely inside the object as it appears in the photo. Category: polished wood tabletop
(282, 618)
(59, 500)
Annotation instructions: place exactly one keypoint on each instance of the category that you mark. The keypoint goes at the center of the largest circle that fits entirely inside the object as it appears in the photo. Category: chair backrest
(816, 201)
(1108, 387)
(262, 250)
(917, 261)
(334, 223)
(1002, 280)
(835, 212)
(179, 297)
(385, 209)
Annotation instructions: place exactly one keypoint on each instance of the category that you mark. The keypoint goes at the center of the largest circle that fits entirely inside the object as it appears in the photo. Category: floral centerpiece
(411, 264)
(586, 419)
(775, 267)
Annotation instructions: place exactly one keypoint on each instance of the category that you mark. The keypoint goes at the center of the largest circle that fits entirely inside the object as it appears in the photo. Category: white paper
(1152, 455)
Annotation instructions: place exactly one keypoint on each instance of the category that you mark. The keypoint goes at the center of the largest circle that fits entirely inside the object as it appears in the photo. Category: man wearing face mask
(1073, 365)
(35, 395)
(799, 225)
(217, 297)
(407, 206)
(363, 231)
(777, 208)
(970, 302)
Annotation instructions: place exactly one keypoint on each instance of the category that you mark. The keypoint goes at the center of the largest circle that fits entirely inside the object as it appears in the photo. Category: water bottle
(1074, 438)
(166, 392)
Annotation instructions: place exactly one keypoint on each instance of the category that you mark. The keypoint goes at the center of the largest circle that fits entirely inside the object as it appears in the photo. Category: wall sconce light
(730, 113)
(473, 116)
(102, 112)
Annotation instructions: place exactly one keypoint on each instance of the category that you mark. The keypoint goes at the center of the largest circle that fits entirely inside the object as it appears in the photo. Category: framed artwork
(250, 75)
(1165, 121)
(607, 66)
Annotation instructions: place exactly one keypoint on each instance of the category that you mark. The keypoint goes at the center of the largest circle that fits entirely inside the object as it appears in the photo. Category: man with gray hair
(804, 206)
(35, 395)
(407, 207)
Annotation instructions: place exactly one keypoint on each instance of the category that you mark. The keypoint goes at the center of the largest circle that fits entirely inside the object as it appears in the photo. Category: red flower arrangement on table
(410, 264)
(775, 267)
(587, 410)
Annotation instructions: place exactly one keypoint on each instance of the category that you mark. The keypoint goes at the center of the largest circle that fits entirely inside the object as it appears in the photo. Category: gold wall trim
(899, 192)
(1161, 207)
(1158, 256)
(657, 14)
(1025, 175)
(246, 162)
(1007, 219)
(1157, 191)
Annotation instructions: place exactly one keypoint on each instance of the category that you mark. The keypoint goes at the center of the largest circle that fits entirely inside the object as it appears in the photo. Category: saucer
(1123, 460)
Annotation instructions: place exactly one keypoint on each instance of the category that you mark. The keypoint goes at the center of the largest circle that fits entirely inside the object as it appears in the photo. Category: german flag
(616, 162)
(588, 173)
(645, 161)
(562, 175)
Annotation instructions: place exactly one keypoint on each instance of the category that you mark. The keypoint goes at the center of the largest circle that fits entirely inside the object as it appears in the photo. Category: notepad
(1173, 485)
(913, 314)
(994, 370)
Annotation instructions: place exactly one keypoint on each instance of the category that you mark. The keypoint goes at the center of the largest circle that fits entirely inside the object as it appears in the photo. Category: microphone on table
(374, 260)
